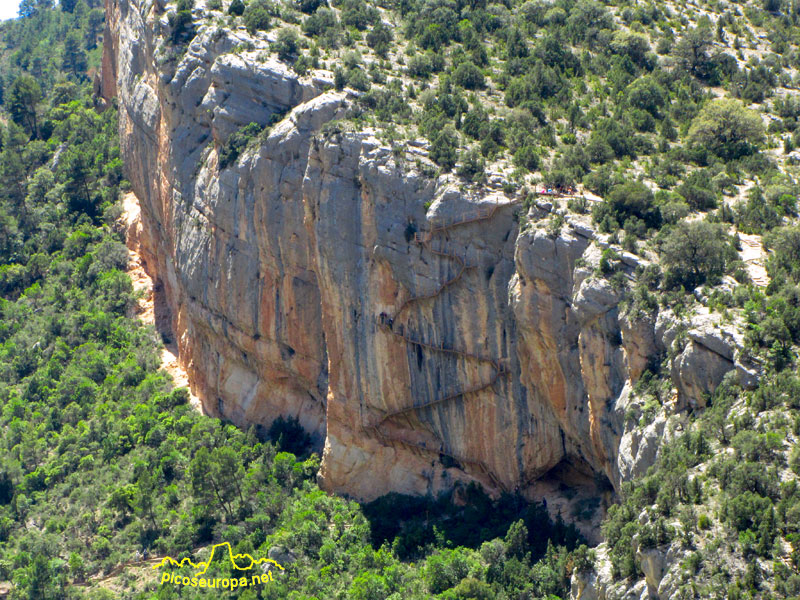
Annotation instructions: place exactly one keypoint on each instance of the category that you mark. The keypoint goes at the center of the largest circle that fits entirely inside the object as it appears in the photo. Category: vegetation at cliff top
(662, 108)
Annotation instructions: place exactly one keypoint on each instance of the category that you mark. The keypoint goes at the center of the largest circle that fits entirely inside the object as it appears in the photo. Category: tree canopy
(696, 251)
(727, 129)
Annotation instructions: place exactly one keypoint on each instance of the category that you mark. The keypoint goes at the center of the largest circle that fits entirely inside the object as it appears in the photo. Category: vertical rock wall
(322, 275)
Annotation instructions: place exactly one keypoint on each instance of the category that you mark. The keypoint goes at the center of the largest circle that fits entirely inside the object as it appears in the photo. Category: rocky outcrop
(711, 349)
(424, 334)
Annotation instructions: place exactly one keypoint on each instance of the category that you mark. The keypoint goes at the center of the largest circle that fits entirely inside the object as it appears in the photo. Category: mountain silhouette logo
(240, 562)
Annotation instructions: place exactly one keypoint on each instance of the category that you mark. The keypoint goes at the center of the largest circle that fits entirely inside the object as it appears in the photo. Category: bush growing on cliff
(627, 204)
(237, 142)
(257, 16)
(755, 215)
(698, 192)
(287, 44)
(784, 260)
(323, 25)
(444, 148)
(379, 39)
(358, 14)
(309, 6)
(181, 21)
(236, 8)
(695, 252)
(468, 76)
(727, 128)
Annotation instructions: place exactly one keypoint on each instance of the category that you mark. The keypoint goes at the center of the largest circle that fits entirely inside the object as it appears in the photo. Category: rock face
(418, 331)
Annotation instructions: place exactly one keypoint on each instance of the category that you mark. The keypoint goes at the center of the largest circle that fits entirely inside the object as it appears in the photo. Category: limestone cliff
(425, 334)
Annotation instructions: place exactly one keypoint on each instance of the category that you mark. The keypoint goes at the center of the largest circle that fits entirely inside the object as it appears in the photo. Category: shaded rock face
(579, 356)
(322, 275)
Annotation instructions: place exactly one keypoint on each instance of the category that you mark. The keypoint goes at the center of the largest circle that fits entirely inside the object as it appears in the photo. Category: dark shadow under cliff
(463, 517)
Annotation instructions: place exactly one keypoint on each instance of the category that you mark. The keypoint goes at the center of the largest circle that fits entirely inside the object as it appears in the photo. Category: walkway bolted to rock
(388, 324)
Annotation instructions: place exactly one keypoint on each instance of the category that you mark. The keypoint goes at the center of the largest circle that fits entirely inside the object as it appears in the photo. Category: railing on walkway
(389, 324)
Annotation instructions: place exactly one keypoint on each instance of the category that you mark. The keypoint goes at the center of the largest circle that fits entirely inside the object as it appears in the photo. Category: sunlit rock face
(283, 269)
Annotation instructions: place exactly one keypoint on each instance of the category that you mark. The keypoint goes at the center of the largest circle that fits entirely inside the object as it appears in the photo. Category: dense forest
(684, 119)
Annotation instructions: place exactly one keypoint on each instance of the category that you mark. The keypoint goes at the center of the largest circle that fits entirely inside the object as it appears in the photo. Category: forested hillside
(102, 462)
(682, 119)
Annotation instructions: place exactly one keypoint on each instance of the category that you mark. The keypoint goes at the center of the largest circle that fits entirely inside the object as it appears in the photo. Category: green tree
(516, 47)
(309, 6)
(358, 14)
(692, 52)
(468, 76)
(64, 92)
(94, 27)
(727, 128)
(287, 44)
(236, 8)
(696, 251)
(181, 21)
(289, 435)
(41, 583)
(631, 44)
(27, 9)
(367, 586)
(784, 242)
(12, 167)
(23, 102)
(379, 39)
(444, 148)
(322, 23)
(256, 16)
(217, 474)
(517, 539)
(6, 488)
(646, 94)
(339, 78)
(74, 55)
(697, 192)
(76, 174)
(631, 200)
(228, 472)
(146, 493)
(77, 566)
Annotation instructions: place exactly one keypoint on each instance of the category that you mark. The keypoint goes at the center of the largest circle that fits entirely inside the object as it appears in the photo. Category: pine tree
(23, 101)
(74, 54)
(27, 8)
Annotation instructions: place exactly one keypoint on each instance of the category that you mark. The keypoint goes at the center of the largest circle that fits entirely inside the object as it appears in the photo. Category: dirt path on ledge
(753, 255)
(146, 309)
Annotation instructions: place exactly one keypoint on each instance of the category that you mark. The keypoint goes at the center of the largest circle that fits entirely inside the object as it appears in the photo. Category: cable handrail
(387, 323)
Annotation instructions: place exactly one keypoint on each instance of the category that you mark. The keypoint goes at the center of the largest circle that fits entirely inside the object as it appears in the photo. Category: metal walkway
(389, 324)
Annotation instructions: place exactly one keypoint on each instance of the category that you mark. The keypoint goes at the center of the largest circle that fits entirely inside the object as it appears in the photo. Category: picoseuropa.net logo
(248, 562)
